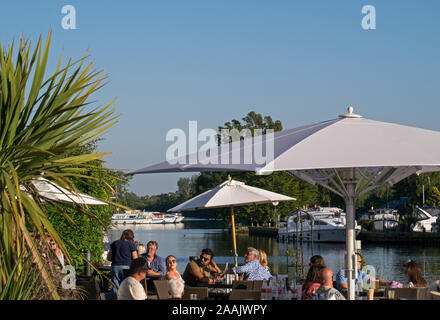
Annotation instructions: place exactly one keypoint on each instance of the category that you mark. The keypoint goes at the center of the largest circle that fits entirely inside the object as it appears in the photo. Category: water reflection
(189, 238)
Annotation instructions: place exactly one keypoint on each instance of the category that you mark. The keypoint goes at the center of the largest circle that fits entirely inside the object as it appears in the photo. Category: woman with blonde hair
(263, 259)
(172, 272)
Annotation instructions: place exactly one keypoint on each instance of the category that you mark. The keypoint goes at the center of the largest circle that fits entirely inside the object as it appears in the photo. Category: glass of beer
(370, 294)
(390, 294)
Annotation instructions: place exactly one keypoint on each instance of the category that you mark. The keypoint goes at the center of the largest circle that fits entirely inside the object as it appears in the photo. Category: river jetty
(387, 237)
(263, 231)
(392, 237)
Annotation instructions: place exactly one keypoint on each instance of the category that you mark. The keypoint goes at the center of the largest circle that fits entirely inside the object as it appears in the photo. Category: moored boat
(326, 225)
(129, 217)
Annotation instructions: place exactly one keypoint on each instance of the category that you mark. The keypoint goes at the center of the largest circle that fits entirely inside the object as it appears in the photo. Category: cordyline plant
(43, 121)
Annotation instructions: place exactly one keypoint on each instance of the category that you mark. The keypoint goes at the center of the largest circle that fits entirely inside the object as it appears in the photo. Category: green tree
(44, 120)
(279, 182)
(433, 197)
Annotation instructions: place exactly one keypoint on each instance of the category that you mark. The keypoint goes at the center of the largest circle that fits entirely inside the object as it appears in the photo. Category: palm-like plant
(43, 120)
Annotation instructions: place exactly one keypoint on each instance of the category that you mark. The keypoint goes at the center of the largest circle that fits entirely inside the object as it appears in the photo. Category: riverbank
(391, 237)
(365, 236)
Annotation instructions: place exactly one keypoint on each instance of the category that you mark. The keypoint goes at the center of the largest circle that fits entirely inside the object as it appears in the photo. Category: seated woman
(172, 272)
(263, 259)
(312, 282)
(414, 275)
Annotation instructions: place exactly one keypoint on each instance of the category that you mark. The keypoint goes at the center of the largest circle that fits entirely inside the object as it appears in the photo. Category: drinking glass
(391, 294)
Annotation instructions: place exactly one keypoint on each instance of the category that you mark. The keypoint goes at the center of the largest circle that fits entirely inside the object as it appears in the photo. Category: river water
(189, 238)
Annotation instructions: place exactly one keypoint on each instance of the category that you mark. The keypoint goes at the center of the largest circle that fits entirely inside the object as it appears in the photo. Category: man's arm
(216, 268)
(198, 275)
(341, 280)
(383, 282)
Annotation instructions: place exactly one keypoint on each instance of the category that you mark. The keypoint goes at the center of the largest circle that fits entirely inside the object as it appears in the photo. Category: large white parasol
(229, 194)
(349, 156)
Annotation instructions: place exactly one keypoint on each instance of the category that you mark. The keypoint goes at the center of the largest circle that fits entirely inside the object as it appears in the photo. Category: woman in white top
(172, 272)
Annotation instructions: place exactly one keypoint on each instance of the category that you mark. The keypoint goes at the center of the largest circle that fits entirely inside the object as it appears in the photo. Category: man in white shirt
(131, 288)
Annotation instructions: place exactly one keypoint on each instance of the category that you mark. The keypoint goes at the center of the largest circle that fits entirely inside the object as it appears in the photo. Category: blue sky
(301, 61)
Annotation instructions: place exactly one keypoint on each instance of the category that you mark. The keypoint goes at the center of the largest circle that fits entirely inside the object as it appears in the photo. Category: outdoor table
(214, 285)
(380, 293)
(104, 268)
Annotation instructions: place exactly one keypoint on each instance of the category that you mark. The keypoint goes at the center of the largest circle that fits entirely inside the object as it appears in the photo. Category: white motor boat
(425, 222)
(173, 217)
(384, 219)
(325, 225)
(130, 218)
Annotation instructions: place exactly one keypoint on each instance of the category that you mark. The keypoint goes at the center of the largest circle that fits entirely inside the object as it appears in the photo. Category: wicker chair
(161, 287)
(237, 294)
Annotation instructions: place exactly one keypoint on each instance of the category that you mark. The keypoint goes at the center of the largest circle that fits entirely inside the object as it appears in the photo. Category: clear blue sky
(211, 61)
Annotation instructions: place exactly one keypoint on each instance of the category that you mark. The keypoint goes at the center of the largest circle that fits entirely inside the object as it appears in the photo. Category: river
(189, 238)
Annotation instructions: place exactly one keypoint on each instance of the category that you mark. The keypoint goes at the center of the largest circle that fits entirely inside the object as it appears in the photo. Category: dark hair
(313, 276)
(138, 265)
(414, 274)
(208, 252)
(169, 256)
(153, 242)
(317, 260)
(127, 235)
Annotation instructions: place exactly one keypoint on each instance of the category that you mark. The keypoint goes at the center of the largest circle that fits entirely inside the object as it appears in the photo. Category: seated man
(326, 290)
(203, 270)
(175, 288)
(131, 288)
(155, 263)
(252, 269)
(341, 280)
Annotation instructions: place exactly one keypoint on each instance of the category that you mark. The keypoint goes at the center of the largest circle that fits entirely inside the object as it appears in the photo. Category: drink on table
(390, 294)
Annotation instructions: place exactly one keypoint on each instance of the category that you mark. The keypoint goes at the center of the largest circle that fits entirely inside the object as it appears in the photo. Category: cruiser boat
(384, 219)
(159, 217)
(129, 217)
(325, 225)
(426, 221)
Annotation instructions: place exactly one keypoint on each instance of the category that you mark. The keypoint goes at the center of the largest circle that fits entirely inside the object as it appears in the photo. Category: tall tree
(278, 181)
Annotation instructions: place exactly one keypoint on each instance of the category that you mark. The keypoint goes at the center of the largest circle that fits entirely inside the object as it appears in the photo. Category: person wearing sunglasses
(172, 272)
(202, 270)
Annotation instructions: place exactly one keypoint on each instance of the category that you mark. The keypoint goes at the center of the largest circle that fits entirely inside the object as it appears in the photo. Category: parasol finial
(350, 113)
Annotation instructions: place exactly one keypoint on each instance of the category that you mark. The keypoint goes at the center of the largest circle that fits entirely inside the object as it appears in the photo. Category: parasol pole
(234, 242)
